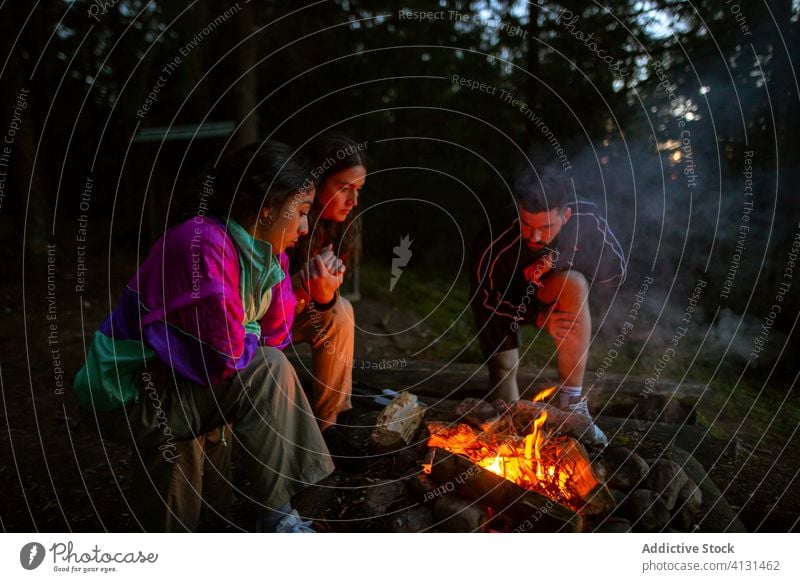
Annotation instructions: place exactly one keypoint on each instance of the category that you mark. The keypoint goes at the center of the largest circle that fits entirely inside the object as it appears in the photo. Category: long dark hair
(330, 154)
(253, 176)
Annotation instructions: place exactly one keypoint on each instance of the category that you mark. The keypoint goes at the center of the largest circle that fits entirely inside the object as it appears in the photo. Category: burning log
(519, 417)
(557, 467)
(529, 510)
(481, 414)
(597, 497)
(524, 413)
(397, 424)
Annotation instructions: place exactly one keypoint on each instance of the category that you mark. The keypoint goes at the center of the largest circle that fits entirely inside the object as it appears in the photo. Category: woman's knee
(269, 365)
(273, 357)
(338, 318)
(343, 313)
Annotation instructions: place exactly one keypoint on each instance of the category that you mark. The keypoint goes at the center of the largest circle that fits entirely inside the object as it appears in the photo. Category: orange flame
(545, 394)
(537, 435)
(519, 468)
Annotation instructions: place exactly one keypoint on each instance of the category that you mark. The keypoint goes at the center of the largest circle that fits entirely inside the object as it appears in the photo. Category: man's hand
(538, 268)
(322, 276)
(557, 323)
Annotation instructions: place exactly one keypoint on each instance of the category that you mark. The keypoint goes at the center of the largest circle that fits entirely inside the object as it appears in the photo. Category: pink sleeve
(276, 325)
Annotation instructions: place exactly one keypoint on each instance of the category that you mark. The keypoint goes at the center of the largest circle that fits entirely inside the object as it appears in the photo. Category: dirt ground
(57, 476)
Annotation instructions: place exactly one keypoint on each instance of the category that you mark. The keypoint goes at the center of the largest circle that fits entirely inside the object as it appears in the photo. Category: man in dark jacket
(536, 265)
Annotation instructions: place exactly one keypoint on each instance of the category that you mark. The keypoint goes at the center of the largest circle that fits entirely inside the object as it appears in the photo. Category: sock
(268, 519)
(567, 393)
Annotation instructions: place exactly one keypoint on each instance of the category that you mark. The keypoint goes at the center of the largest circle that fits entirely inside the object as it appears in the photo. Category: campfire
(524, 450)
(534, 462)
(527, 467)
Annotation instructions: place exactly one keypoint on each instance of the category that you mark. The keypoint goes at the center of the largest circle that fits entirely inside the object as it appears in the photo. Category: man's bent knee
(564, 288)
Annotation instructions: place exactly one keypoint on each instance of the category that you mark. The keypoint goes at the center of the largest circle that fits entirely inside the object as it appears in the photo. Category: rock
(690, 496)
(667, 479)
(623, 468)
(457, 515)
(720, 516)
(687, 506)
(414, 520)
(645, 510)
(385, 442)
(613, 525)
(382, 494)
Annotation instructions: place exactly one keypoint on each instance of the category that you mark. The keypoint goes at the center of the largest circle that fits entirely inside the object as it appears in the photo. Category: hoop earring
(267, 225)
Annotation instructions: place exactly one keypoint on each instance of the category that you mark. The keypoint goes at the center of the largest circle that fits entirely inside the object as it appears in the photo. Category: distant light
(705, 89)
(675, 156)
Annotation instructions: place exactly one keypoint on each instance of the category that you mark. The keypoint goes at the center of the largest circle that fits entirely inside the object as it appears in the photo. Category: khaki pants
(175, 429)
(331, 334)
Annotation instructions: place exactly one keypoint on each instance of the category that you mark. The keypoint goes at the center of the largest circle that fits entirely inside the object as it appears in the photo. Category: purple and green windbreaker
(206, 297)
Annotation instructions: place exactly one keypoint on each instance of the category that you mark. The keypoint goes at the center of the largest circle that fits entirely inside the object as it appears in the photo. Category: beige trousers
(331, 334)
(178, 452)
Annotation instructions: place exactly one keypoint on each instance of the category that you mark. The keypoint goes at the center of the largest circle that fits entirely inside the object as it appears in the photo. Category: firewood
(397, 424)
(577, 426)
(530, 511)
(596, 495)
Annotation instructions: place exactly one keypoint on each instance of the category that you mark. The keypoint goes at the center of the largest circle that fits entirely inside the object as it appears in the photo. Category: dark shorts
(501, 331)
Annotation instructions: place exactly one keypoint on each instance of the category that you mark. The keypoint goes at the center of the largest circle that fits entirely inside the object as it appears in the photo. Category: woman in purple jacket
(183, 353)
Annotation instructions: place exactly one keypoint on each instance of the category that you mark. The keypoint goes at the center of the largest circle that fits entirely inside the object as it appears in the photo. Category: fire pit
(484, 474)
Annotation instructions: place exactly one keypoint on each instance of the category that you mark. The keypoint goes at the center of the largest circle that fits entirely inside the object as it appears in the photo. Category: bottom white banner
(355, 557)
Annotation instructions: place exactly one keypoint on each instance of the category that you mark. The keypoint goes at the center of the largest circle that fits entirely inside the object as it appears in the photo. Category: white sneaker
(581, 406)
(292, 523)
